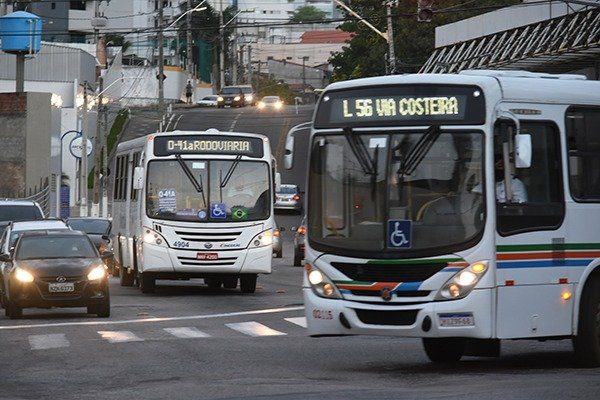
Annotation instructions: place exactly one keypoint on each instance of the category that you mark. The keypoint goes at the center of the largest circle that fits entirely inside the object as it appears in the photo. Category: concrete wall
(142, 89)
(292, 74)
(317, 53)
(62, 89)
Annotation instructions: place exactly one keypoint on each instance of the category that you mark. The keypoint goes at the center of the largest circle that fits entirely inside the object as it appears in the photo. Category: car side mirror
(138, 178)
(105, 237)
(288, 158)
(294, 228)
(523, 150)
(107, 254)
(277, 182)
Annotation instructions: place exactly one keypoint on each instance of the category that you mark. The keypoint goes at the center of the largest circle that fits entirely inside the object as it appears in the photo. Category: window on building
(77, 5)
(583, 132)
(53, 6)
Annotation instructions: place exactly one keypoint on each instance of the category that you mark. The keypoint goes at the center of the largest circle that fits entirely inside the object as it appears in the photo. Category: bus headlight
(150, 236)
(263, 239)
(463, 282)
(320, 284)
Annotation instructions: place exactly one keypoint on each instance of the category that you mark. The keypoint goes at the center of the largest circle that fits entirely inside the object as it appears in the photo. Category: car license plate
(61, 287)
(453, 320)
(208, 256)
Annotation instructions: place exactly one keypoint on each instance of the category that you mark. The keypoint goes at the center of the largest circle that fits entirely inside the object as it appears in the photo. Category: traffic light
(425, 10)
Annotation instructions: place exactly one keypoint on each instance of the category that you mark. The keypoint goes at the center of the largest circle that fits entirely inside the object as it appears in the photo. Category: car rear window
(42, 247)
(288, 190)
(11, 212)
(90, 226)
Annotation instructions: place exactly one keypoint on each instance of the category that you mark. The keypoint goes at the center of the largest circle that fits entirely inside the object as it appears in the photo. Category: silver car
(289, 198)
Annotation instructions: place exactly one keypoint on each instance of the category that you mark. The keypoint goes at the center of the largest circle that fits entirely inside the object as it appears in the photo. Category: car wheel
(147, 282)
(102, 310)
(230, 282)
(248, 283)
(12, 311)
(125, 277)
(297, 260)
(213, 283)
(279, 254)
(444, 350)
(587, 342)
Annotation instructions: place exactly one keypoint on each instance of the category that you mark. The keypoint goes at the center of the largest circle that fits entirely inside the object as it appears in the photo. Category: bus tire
(230, 282)
(248, 283)
(587, 342)
(125, 277)
(444, 350)
(147, 282)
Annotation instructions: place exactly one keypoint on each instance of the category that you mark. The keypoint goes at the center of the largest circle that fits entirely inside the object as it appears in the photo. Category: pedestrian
(188, 92)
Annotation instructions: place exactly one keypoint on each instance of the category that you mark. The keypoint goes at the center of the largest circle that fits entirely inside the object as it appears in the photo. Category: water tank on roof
(20, 32)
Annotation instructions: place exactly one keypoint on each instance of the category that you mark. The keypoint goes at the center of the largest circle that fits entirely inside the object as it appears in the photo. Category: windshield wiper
(369, 165)
(197, 185)
(418, 152)
(229, 173)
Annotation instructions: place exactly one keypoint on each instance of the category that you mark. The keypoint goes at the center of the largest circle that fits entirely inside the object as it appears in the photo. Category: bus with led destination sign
(401, 105)
(194, 205)
(455, 208)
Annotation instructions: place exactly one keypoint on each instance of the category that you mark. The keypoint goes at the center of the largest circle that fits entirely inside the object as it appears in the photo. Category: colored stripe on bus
(548, 255)
(544, 264)
(545, 247)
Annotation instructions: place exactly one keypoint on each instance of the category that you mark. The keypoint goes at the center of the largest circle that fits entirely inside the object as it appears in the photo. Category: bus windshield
(363, 187)
(231, 190)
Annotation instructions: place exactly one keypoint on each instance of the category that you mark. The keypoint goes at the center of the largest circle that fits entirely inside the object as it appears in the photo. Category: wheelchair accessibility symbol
(399, 234)
(218, 211)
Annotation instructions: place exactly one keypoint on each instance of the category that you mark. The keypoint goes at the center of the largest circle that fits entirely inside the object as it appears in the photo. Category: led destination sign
(230, 145)
(401, 105)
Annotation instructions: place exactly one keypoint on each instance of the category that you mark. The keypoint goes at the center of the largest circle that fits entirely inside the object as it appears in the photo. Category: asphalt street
(189, 342)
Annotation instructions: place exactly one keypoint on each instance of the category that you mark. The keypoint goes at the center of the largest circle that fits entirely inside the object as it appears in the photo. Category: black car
(98, 230)
(231, 96)
(54, 269)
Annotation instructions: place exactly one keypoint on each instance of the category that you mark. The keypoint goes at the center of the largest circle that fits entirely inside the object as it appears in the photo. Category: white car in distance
(208, 101)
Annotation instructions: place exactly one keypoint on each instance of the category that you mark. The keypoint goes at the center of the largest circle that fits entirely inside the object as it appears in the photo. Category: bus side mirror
(523, 151)
(138, 178)
(277, 182)
(288, 158)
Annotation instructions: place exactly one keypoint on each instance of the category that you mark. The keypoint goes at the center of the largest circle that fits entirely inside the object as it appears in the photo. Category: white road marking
(234, 122)
(254, 329)
(44, 342)
(177, 122)
(187, 333)
(300, 321)
(120, 336)
(154, 319)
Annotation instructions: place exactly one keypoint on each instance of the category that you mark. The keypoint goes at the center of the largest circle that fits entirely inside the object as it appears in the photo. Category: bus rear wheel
(444, 350)
(248, 283)
(587, 342)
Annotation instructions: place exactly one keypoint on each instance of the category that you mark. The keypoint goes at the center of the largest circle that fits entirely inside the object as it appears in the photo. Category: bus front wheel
(147, 283)
(587, 342)
(444, 350)
(248, 283)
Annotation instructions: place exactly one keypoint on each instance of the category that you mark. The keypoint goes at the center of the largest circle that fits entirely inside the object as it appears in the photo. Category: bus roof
(510, 85)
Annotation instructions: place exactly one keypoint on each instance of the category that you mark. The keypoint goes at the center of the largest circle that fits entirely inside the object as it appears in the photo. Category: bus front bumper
(469, 317)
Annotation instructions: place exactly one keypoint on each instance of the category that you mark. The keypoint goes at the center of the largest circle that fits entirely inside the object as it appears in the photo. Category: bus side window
(583, 132)
(542, 204)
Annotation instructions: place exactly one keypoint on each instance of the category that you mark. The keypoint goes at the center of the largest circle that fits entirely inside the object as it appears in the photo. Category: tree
(365, 54)
(118, 40)
(307, 14)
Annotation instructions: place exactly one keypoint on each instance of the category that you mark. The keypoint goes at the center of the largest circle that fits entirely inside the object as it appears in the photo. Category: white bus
(461, 209)
(194, 205)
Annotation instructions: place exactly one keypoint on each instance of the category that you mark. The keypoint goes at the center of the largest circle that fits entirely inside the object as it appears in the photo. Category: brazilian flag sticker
(239, 213)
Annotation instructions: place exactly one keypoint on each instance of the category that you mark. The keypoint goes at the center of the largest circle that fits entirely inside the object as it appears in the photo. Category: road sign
(158, 77)
(76, 147)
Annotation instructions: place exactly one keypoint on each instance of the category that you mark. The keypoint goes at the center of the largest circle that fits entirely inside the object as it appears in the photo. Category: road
(189, 342)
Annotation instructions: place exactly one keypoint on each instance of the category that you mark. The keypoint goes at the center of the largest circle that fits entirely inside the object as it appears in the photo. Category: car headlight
(249, 97)
(320, 284)
(150, 236)
(261, 105)
(263, 239)
(220, 99)
(463, 282)
(23, 276)
(278, 105)
(237, 98)
(96, 273)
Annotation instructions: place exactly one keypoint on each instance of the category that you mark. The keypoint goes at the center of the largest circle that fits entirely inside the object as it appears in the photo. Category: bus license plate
(208, 256)
(61, 287)
(452, 320)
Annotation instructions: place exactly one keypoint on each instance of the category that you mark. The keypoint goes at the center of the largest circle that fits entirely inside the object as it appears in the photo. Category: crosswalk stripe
(44, 342)
(300, 321)
(120, 336)
(187, 332)
(254, 329)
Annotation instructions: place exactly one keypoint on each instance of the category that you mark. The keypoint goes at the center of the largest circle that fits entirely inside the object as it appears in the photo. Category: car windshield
(396, 192)
(43, 247)
(14, 234)
(20, 213)
(270, 100)
(230, 90)
(233, 191)
(90, 226)
(288, 190)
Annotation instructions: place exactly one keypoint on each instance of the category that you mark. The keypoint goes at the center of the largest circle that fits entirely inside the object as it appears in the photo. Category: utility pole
(161, 59)
(99, 145)
(2, 7)
(222, 49)
(249, 65)
(83, 187)
(189, 51)
(304, 60)
(390, 37)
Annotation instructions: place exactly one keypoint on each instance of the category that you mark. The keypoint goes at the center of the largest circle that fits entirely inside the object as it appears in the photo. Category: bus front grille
(389, 272)
(376, 293)
(384, 317)
(208, 236)
(221, 262)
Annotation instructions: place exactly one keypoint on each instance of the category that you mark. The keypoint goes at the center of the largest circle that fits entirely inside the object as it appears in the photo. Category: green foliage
(365, 54)
(111, 139)
(307, 14)
(118, 40)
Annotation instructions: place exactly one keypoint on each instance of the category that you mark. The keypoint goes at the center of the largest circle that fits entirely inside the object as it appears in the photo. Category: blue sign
(218, 211)
(202, 214)
(399, 234)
